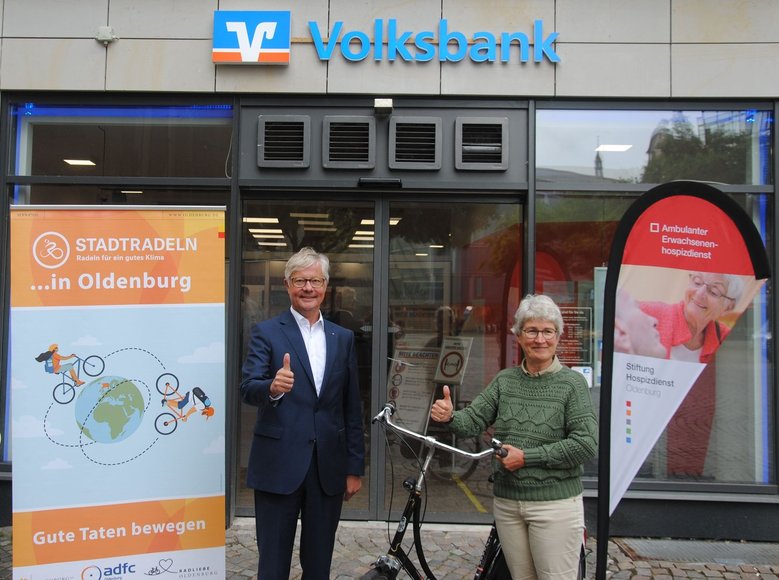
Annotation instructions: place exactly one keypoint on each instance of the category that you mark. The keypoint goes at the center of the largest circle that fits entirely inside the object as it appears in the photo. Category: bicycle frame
(396, 558)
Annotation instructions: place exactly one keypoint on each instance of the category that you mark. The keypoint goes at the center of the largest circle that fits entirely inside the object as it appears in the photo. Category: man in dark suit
(308, 453)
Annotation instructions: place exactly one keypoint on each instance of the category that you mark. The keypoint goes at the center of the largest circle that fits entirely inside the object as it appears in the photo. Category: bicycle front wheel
(449, 466)
(93, 365)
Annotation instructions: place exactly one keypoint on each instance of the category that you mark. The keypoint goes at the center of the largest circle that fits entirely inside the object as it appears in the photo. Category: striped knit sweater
(550, 417)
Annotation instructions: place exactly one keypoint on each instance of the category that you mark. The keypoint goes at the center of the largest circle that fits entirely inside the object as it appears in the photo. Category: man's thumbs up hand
(284, 379)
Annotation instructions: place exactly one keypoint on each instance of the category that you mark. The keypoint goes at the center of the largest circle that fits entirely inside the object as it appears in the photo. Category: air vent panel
(284, 141)
(481, 143)
(415, 143)
(349, 142)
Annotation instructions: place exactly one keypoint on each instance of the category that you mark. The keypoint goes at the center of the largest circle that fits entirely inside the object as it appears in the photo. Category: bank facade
(449, 157)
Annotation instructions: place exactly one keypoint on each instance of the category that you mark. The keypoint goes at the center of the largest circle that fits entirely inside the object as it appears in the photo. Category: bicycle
(65, 391)
(388, 566)
(492, 565)
(168, 385)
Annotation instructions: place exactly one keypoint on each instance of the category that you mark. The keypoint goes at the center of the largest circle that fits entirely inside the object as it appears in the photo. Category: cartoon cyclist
(178, 403)
(52, 363)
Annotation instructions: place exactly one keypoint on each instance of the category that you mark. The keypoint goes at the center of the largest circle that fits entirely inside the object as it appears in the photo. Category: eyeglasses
(547, 333)
(712, 290)
(301, 282)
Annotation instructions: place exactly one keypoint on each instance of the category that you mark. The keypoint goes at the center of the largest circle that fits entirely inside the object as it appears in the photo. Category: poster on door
(453, 359)
(117, 385)
(410, 385)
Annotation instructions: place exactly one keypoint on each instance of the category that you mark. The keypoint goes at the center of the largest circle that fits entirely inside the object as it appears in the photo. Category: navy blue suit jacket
(286, 430)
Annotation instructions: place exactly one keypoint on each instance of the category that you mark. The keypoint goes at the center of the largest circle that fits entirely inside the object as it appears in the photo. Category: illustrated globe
(109, 409)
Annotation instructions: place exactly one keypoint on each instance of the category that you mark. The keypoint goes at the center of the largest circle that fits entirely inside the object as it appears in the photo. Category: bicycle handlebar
(385, 416)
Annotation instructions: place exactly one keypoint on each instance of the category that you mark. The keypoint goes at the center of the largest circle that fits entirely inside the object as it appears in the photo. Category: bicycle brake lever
(389, 408)
(498, 447)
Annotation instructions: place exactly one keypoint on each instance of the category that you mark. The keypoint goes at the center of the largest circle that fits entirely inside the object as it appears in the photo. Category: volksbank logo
(441, 44)
(250, 37)
(246, 37)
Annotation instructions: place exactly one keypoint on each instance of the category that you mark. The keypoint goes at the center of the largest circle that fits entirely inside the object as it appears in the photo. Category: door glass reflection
(454, 284)
(272, 232)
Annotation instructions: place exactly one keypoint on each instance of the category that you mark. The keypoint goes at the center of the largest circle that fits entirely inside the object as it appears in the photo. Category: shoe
(79, 383)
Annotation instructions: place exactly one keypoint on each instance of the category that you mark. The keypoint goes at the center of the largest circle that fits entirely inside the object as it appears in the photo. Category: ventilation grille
(283, 141)
(349, 142)
(482, 144)
(415, 143)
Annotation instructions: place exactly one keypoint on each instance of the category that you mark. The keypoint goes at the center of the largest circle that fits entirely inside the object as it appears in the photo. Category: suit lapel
(331, 344)
(289, 327)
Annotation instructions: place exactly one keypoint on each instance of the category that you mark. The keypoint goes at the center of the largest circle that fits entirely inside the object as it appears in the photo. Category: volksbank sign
(261, 37)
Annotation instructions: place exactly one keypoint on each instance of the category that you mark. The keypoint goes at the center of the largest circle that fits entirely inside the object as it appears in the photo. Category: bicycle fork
(396, 559)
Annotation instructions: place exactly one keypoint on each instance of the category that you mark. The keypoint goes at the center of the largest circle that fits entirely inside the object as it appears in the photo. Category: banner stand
(710, 237)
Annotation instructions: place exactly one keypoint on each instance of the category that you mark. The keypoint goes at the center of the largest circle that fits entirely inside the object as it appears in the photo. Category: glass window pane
(582, 146)
(724, 431)
(176, 141)
(98, 195)
(272, 231)
(454, 284)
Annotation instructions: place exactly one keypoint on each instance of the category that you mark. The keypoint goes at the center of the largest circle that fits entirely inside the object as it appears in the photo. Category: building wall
(631, 48)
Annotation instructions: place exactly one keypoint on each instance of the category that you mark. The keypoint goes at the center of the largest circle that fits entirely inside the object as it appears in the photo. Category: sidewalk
(453, 552)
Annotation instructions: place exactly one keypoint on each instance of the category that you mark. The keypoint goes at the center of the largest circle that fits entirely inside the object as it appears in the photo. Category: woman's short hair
(537, 307)
(735, 286)
(305, 258)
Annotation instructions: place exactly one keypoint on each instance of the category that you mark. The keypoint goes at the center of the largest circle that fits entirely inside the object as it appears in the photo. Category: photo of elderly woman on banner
(687, 263)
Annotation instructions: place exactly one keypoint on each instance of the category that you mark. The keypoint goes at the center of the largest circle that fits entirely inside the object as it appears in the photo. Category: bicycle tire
(497, 569)
(582, 572)
(448, 467)
(170, 378)
(163, 423)
(64, 393)
(93, 365)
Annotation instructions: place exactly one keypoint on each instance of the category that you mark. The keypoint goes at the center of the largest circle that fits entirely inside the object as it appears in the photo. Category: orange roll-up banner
(117, 341)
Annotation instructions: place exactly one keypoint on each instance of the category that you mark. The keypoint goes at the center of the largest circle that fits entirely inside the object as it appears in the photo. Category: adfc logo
(51, 250)
(251, 37)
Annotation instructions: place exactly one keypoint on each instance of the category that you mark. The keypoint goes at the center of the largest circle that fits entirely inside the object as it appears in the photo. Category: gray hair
(735, 286)
(537, 307)
(305, 258)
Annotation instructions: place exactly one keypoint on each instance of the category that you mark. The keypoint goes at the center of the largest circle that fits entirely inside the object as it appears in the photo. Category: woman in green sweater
(543, 413)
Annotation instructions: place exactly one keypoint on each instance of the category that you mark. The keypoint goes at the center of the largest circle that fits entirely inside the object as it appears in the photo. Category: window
(130, 141)
(646, 146)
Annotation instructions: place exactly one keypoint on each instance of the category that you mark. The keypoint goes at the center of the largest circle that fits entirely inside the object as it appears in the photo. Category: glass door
(272, 231)
(454, 284)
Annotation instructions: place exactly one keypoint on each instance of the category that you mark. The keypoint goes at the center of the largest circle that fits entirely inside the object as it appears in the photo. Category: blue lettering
(346, 45)
(483, 51)
(324, 51)
(545, 47)
(426, 49)
(451, 46)
(444, 38)
(378, 40)
(396, 45)
(505, 46)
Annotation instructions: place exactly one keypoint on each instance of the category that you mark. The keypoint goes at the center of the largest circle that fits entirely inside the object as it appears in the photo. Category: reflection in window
(598, 146)
(130, 141)
(271, 232)
(727, 434)
(454, 285)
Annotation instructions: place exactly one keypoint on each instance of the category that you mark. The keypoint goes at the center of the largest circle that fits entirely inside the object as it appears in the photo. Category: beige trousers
(541, 539)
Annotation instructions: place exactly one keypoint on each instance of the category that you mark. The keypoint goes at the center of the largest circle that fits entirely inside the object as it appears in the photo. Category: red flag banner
(687, 262)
